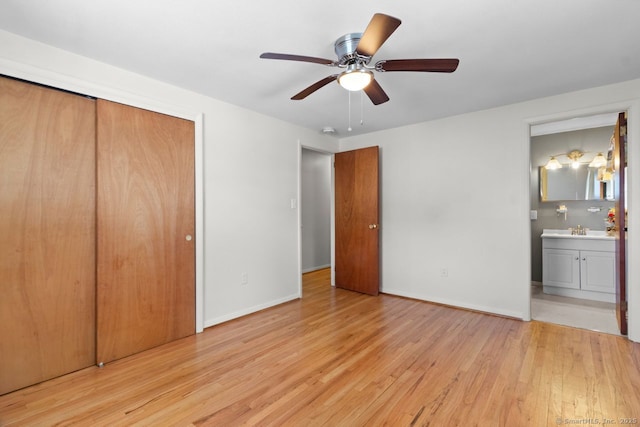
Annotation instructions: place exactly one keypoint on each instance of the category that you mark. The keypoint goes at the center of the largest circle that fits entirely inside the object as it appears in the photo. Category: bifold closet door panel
(47, 233)
(145, 230)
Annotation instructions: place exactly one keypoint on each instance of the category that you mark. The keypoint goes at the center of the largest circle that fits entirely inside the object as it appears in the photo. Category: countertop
(566, 234)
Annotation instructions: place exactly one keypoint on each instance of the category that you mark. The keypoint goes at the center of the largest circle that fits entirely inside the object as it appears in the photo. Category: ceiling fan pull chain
(349, 128)
(361, 108)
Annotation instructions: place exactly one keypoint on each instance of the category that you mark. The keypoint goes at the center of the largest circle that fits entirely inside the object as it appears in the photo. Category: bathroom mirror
(574, 184)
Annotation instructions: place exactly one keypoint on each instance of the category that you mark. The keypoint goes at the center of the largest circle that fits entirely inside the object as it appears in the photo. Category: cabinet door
(597, 271)
(561, 268)
(47, 233)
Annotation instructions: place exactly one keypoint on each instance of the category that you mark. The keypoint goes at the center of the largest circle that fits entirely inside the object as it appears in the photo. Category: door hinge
(624, 306)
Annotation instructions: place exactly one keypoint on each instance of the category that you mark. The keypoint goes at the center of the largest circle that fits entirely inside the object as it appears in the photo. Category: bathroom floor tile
(578, 313)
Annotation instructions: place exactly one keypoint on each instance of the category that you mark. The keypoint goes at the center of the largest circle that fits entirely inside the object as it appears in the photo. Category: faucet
(579, 231)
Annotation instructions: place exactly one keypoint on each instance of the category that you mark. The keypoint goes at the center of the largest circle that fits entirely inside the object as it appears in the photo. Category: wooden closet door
(47, 233)
(145, 211)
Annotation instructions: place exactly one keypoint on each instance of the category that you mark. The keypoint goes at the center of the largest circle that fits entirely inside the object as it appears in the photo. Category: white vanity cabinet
(579, 266)
(561, 268)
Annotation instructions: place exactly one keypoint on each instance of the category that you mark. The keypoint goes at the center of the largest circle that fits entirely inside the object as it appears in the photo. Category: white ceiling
(509, 50)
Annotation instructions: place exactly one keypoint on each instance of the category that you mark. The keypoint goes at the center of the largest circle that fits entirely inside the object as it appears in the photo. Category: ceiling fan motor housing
(345, 48)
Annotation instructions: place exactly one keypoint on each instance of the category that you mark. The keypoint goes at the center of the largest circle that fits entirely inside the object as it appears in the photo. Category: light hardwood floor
(339, 358)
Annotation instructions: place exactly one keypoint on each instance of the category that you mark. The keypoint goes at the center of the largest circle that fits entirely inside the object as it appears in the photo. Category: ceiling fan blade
(375, 93)
(287, 57)
(314, 87)
(378, 31)
(445, 65)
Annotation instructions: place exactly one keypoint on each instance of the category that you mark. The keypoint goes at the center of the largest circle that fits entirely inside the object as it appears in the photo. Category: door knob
(188, 237)
(373, 226)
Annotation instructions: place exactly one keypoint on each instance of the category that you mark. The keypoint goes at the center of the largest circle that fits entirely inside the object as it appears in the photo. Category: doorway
(585, 209)
(316, 210)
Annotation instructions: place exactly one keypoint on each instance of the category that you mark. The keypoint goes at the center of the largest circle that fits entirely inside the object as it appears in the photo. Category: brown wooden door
(145, 205)
(620, 162)
(357, 260)
(47, 233)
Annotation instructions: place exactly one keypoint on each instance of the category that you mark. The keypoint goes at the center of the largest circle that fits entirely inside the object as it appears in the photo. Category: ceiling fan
(355, 51)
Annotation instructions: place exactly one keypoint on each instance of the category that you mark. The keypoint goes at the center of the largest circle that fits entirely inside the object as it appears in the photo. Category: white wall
(455, 196)
(315, 208)
(249, 165)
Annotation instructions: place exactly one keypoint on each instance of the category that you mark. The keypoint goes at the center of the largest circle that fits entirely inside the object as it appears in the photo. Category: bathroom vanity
(579, 266)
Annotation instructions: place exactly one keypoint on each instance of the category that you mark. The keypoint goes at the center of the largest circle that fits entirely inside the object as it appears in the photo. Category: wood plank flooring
(339, 358)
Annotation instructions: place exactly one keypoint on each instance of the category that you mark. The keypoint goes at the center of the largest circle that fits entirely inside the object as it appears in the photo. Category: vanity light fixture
(552, 164)
(598, 161)
(574, 156)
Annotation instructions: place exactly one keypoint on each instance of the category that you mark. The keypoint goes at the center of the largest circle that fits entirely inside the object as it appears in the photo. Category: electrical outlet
(444, 272)
(244, 278)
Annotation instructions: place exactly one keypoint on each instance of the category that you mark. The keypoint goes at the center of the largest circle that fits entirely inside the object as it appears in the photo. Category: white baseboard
(319, 267)
(221, 319)
(458, 304)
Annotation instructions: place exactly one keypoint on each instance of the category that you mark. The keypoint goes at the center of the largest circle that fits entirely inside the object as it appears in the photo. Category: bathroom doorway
(578, 140)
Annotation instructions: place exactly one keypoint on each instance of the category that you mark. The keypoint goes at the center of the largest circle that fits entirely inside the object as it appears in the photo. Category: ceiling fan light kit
(354, 52)
(355, 78)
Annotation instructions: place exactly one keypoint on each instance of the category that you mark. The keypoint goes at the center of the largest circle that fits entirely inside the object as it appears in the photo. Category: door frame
(632, 107)
(72, 84)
